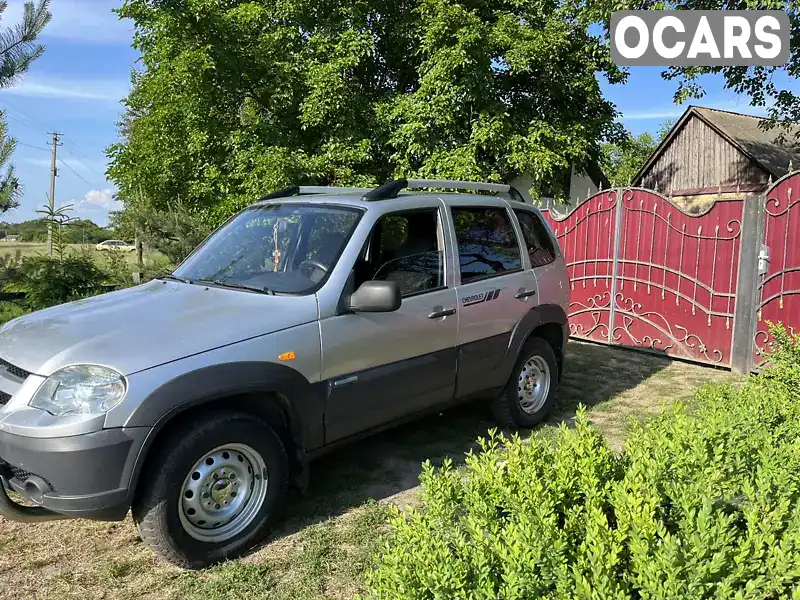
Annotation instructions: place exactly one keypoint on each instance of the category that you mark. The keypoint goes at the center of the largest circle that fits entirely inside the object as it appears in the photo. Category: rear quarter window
(537, 239)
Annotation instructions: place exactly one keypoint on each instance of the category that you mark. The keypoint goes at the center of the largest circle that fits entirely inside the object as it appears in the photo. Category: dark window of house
(534, 232)
(405, 248)
(487, 244)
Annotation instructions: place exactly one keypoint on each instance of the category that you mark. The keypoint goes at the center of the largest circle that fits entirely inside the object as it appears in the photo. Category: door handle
(439, 312)
(523, 293)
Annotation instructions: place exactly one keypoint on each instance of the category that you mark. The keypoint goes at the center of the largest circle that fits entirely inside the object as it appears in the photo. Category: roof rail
(392, 188)
(303, 190)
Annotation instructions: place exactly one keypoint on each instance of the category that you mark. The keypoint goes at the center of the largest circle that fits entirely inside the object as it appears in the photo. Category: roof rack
(391, 189)
(304, 190)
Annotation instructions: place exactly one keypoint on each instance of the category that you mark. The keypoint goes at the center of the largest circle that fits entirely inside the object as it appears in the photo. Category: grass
(326, 541)
(34, 248)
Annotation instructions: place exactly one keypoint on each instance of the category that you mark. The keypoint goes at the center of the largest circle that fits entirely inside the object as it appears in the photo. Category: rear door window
(487, 244)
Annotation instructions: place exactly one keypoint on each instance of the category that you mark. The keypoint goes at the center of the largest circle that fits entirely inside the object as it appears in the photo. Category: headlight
(80, 390)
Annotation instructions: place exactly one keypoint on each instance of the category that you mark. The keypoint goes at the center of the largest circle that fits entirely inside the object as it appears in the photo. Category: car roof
(357, 201)
(398, 192)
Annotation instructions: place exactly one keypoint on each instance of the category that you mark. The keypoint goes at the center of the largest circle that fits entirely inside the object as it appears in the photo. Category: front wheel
(529, 395)
(212, 490)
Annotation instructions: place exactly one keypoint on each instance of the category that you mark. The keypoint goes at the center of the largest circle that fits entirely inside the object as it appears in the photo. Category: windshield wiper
(172, 277)
(237, 286)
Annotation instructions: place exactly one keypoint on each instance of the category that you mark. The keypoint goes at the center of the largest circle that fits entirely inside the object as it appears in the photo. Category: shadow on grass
(388, 464)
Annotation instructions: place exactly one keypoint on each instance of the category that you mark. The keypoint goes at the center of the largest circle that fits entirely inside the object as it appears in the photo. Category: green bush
(9, 311)
(48, 281)
(699, 504)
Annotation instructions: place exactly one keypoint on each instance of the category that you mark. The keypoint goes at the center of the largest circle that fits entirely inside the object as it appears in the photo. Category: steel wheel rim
(534, 385)
(223, 492)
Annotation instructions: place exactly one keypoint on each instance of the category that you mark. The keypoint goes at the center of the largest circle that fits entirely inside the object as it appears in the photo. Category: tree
(10, 190)
(769, 87)
(18, 49)
(622, 160)
(239, 98)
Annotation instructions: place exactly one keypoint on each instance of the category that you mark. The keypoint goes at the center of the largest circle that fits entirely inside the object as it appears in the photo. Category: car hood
(148, 325)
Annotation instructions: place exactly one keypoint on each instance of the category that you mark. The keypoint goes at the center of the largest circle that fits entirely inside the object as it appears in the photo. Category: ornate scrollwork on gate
(689, 344)
(595, 306)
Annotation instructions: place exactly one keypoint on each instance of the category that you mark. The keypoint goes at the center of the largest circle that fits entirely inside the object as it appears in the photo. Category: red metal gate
(677, 276)
(779, 281)
(646, 274)
(586, 236)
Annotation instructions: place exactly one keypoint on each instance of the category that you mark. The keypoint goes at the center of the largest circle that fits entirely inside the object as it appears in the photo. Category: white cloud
(94, 90)
(80, 21)
(99, 199)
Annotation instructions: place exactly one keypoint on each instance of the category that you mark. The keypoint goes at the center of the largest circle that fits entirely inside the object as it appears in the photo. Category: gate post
(744, 319)
(614, 265)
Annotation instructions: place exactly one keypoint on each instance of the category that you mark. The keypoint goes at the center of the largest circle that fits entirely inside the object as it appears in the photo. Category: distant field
(34, 248)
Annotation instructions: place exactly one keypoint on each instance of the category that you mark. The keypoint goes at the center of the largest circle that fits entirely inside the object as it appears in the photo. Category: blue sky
(75, 88)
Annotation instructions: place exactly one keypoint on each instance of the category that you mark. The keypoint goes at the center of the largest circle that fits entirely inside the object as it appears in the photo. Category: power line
(45, 128)
(75, 150)
(83, 164)
(32, 146)
(78, 175)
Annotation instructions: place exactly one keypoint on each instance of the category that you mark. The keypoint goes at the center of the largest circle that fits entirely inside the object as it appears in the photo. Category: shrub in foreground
(700, 504)
(48, 281)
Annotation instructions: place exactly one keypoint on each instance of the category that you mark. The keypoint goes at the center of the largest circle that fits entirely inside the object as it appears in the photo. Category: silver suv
(311, 318)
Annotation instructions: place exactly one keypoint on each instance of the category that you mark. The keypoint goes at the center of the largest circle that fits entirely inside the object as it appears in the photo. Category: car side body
(318, 372)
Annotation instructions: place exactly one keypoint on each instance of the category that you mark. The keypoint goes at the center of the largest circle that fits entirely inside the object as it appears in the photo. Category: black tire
(506, 406)
(156, 508)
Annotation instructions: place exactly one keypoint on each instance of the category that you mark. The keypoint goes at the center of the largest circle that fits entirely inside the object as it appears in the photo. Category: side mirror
(376, 296)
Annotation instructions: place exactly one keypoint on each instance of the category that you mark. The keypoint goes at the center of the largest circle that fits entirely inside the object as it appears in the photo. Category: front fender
(302, 401)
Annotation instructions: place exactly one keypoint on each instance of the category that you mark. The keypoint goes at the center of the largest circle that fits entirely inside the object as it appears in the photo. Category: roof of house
(762, 146)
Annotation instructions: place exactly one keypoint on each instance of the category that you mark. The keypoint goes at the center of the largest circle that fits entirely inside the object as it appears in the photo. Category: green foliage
(18, 49)
(174, 231)
(48, 281)
(9, 311)
(55, 279)
(80, 231)
(769, 87)
(10, 190)
(239, 98)
(702, 504)
(623, 159)
(56, 220)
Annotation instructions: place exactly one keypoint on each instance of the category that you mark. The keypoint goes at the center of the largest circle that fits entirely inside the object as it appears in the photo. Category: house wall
(581, 187)
(698, 157)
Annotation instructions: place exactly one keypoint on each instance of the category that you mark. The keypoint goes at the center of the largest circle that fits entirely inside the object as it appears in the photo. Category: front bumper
(78, 476)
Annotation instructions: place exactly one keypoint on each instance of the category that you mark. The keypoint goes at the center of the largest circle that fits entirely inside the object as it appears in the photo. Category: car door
(380, 367)
(496, 289)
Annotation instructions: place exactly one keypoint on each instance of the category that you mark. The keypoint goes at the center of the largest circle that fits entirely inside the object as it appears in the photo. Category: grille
(21, 474)
(14, 370)
(4, 397)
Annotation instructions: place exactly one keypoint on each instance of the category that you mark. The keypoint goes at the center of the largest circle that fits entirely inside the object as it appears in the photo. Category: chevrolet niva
(309, 319)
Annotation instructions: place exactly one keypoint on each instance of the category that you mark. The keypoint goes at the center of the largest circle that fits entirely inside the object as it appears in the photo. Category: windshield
(282, 248)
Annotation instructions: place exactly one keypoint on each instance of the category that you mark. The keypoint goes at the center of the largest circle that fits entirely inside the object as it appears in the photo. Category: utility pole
(52, 198)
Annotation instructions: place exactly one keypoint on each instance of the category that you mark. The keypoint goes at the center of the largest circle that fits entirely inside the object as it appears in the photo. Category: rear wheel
(529, 395)
(212, 490)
